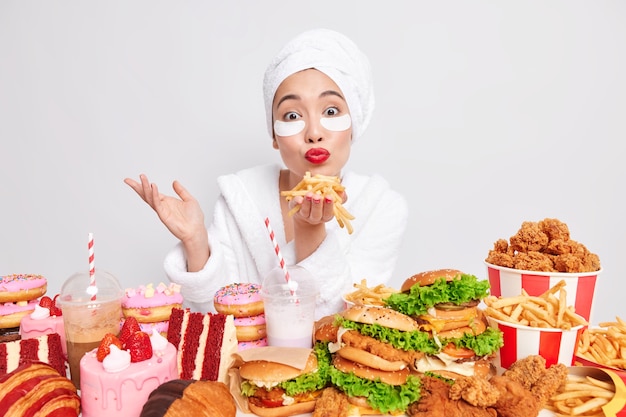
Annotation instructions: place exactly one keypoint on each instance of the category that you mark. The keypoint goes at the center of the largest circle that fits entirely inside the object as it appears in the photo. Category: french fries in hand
(369, 296)
(322, 185)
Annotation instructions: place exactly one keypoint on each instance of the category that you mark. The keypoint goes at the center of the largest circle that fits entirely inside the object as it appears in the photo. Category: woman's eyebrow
(332, 93)
(287, 97)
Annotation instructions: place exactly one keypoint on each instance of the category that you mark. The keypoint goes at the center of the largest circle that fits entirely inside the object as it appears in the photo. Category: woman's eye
(291, 116)
(331, 111)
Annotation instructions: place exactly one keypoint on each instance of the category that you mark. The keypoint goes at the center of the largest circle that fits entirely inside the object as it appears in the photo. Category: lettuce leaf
(380, 396)
(417, 340)
(420, 298)
(484, 344)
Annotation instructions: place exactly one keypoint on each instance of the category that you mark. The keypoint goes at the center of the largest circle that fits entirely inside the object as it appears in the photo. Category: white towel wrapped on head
(336, 56)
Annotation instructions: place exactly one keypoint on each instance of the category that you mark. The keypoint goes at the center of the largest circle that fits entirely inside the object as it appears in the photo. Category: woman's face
(312, 125)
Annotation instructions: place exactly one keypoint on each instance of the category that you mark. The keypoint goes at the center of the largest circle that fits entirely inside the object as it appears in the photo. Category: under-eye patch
(288, 128)
(337, 124)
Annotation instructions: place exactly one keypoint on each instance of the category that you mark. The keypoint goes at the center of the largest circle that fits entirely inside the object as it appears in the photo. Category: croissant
(36, 388)
(188, 397)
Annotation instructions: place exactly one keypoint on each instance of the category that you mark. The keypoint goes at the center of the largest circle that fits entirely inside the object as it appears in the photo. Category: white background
(488, 114)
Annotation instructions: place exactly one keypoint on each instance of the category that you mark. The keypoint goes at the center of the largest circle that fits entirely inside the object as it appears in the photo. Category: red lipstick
(317, 155)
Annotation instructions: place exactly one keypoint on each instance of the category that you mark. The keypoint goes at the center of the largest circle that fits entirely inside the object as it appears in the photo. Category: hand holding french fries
(322, 185)
(369, 296)
(546, 310)
(605, 345)
(581, 396)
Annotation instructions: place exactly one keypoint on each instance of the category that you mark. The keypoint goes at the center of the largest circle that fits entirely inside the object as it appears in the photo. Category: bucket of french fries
(541, 324)
(581, 287)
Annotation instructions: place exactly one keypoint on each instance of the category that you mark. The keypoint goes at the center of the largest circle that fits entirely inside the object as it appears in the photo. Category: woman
(318, 99)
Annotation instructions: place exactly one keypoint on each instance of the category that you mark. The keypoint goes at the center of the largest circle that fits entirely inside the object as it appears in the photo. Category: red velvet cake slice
(205, 343)
(46, 349)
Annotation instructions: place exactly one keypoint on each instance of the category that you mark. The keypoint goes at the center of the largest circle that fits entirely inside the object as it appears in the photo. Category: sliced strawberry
(139, 347)
(105, 346)
(129, 328)
(55, 311)
(45, 302)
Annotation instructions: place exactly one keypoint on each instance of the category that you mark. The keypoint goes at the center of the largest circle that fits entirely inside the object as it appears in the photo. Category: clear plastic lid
(77, 289)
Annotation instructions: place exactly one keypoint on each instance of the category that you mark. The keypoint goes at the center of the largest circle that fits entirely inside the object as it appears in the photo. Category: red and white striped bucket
(555, 345)
(580, 287)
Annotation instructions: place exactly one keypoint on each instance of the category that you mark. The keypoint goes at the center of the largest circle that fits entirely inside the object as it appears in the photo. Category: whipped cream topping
(117, 360)
(40, 313)
(157, 341)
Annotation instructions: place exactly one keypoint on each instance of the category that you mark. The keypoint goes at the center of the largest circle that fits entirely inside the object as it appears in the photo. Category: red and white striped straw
(92, 267)
(281, 260)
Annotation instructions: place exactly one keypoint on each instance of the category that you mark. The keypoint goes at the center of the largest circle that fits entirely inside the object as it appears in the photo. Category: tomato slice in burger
(271, 403)
(457, 352)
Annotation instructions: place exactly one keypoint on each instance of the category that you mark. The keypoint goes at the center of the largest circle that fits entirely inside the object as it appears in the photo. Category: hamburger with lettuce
(274, 389)
(371, 350)
(444, 304)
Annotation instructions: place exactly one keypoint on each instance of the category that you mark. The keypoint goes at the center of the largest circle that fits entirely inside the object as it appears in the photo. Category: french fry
(546, 310)
(581, 396)
(322, 185)
(365, 295)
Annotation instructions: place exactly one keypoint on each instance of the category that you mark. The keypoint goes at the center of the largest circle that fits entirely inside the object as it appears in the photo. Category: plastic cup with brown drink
(91, 308)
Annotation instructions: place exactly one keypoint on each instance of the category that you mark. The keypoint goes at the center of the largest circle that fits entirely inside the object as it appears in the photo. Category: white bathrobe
(242, 251)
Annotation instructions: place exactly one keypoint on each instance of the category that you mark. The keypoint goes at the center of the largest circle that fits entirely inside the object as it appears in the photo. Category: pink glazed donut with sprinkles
(239, 299)
(22, 287)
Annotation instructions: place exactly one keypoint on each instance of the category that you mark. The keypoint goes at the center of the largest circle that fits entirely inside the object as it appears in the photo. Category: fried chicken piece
(529, 237)
(436, 402)
(476, 391)
(531, 373)
(378, 348)
(527, 371)
(549, 383)
(560, 247)
(513, 400)
(591, 263)
(333, 403)
(533, 261)
(568, 263)
(554, 229)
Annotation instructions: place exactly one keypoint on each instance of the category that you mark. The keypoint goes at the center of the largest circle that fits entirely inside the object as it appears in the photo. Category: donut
(148, 304)
(239, 299)
(253, 344)
(22, 287)
(11, 313)
(250, 328)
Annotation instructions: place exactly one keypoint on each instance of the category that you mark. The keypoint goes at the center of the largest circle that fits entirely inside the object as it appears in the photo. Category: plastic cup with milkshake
(289, 307)
(89, 312)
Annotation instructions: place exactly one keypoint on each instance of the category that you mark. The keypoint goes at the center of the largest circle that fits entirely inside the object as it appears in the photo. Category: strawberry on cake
(120, 374)
(46, 318)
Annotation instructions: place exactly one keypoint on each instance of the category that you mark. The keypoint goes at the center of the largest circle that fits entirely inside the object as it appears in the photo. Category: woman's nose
(314, 132)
